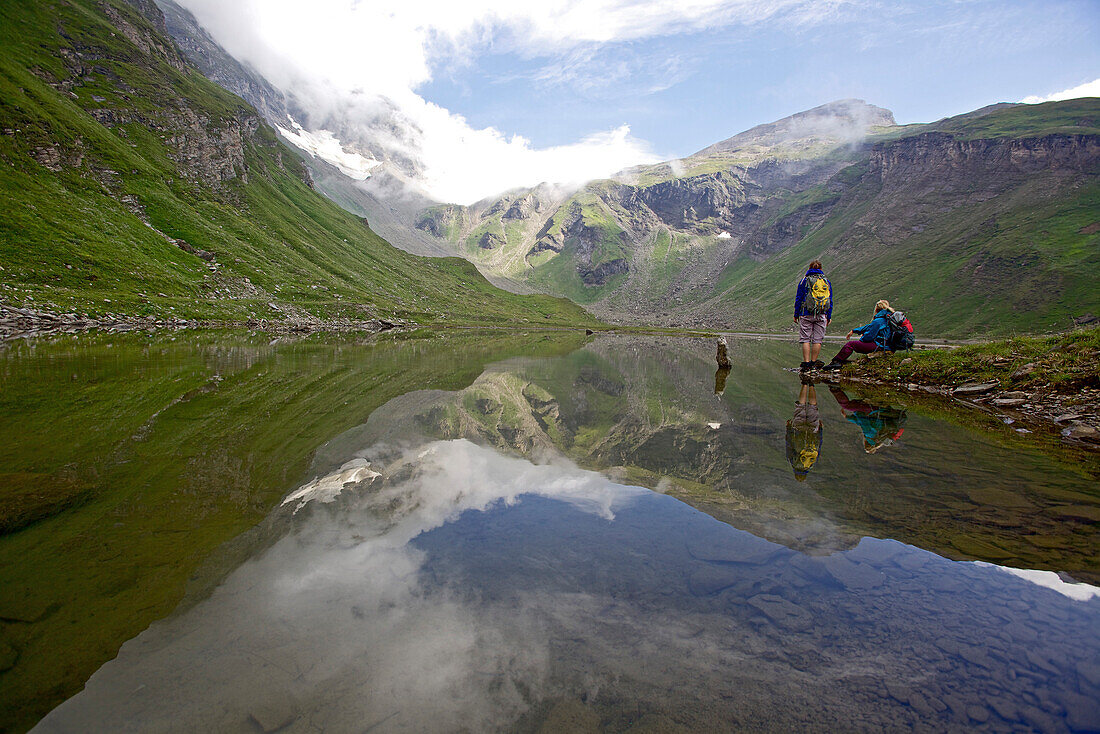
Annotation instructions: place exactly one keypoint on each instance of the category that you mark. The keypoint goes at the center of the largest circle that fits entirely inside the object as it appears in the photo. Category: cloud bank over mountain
(356, 68)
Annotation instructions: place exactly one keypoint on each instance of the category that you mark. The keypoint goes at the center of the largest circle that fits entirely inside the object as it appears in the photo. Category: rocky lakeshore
(1047, 383)
(25, 323)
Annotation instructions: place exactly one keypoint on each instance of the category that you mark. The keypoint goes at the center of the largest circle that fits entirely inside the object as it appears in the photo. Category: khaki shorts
(811, 329)
(806, 415)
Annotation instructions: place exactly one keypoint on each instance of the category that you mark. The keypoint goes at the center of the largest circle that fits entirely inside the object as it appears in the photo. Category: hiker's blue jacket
(800, 297)
(876, 332)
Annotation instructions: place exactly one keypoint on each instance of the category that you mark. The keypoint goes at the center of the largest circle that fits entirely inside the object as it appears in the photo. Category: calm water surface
(523, 533)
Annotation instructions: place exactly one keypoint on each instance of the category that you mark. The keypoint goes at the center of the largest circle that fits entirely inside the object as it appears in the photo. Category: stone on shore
(974, 388)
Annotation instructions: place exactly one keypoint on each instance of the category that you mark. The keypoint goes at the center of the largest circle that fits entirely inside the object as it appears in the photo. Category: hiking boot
(833, 366)
(806, 366)
(818, 364)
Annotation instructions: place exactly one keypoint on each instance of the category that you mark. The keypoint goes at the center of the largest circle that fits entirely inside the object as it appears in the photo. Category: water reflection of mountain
(461, 589)
(643, 411)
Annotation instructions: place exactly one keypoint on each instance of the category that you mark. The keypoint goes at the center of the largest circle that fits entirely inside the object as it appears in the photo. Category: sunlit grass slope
(110, 148)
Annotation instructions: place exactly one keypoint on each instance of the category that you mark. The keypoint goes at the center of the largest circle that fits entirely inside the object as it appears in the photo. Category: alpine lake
(525, 531)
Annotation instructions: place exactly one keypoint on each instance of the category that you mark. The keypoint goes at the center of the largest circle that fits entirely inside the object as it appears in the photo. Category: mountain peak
(841, 121)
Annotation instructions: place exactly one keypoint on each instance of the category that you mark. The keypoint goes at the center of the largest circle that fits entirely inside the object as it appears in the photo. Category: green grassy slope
(599, 240)
(89, 206)
(978, 257)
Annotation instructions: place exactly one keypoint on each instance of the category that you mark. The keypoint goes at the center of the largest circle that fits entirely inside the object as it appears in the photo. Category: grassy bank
(1066, 364)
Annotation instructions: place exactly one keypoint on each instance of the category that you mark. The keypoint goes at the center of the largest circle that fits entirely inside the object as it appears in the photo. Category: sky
(489, 95)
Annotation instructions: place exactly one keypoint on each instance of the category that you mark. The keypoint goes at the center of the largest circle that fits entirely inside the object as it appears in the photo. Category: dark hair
(815, 264)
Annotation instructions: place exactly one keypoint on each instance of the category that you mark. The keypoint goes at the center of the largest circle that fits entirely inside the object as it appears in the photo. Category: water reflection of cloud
(333, 628)
(411, 605)
(1050, 580)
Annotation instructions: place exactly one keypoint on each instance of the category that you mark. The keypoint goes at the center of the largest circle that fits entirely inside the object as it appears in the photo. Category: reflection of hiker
(880, 426)
(813, 310)
(872, 336)
(804, 432)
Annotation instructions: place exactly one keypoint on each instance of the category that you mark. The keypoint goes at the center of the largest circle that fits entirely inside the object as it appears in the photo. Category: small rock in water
(853, 575)
(977, 713)
(723, 354)
(1082, 431)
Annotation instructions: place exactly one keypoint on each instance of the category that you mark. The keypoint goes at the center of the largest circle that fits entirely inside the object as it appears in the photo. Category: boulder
(974, 388)
(1082, 432)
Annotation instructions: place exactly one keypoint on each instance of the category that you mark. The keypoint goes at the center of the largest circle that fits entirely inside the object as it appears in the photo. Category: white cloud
(1088, 89)
(344, 60)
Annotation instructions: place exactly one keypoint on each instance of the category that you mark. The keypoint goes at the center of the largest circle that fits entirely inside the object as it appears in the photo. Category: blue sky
(685, 91)
(492, 94)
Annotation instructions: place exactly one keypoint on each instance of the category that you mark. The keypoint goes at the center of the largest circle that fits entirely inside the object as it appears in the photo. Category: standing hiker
(813, 310)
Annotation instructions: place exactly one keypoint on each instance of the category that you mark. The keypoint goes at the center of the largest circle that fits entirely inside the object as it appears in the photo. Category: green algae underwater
(132, 466)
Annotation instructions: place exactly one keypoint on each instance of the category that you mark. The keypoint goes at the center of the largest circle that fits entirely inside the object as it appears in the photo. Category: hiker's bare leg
(806, 351)
(812, 394)
(804, 395)
(815, 352)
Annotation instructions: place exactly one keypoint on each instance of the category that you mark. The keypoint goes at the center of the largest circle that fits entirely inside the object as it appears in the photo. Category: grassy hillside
(111, 149)
(592, 238)
(964, 255)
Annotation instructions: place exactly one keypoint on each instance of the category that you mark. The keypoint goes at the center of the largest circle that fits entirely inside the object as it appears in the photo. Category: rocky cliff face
(609, 228)
(206, 148)
(989, 164)
(684, 203)
(214, 62)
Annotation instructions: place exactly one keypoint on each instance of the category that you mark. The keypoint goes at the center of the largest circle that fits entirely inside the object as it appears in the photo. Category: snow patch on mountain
(326, 146)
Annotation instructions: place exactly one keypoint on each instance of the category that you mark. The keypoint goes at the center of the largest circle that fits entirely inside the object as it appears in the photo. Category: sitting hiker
(872, 336)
